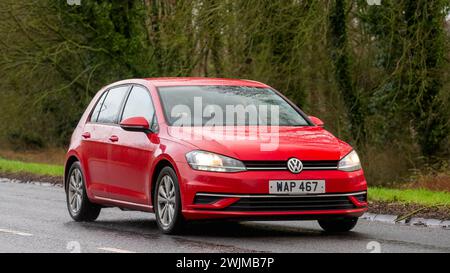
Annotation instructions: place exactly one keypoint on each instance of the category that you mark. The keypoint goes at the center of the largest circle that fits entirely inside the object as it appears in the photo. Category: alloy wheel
(166, 201)
(75, 191)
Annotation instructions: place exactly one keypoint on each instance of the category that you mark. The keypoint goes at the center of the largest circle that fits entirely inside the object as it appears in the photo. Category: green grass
(12, 166)
(417, 196)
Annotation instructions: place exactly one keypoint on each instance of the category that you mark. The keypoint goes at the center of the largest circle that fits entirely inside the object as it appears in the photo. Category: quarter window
(97, 108)
(110, 109)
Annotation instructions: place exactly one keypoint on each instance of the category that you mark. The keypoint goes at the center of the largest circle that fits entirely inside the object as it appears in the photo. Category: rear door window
(109, 111)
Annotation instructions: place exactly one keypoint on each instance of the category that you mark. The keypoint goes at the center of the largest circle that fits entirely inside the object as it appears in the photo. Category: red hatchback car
(201, 148)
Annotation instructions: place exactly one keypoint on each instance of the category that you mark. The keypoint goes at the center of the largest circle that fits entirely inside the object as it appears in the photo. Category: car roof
(196, 81)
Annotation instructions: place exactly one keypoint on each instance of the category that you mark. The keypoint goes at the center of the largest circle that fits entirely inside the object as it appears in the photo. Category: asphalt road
(34, 218)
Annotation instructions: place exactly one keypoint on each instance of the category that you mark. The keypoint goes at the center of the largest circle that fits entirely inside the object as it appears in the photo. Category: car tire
(78, 204)
(338, 225)
(167, 202)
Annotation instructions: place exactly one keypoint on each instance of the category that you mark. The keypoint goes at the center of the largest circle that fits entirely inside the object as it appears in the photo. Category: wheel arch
(161, 164)
(69, 162)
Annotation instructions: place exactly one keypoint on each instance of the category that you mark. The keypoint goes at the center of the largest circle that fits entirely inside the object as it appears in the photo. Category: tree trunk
(342, 68)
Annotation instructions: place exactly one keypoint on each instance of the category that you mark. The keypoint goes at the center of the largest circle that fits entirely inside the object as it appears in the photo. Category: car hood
(305, 143)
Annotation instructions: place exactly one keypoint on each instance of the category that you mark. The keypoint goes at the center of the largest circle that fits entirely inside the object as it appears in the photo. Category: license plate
(296, 186)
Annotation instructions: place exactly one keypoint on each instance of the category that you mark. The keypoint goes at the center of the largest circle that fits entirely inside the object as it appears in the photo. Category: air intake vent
(292, 204)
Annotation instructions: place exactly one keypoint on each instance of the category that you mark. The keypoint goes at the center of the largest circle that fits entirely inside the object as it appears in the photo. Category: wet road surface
(34, 218)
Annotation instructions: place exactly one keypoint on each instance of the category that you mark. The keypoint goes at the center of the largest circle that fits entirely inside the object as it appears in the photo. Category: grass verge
(416, 196)
(15, 167)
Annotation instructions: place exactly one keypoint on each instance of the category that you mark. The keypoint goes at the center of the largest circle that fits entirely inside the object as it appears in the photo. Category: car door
(97, 136)
(132, 152)
(95, 151)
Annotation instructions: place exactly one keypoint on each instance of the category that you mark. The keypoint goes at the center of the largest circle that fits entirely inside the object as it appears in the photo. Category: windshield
(227, 106)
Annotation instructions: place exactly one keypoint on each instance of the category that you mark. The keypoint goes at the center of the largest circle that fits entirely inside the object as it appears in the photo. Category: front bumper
(245, 195)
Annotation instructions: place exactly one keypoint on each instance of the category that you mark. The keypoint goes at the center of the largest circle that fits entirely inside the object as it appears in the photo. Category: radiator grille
(282, 165)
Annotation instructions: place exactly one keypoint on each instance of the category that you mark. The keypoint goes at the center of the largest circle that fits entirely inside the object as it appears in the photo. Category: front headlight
(350, 162)
(206, 161)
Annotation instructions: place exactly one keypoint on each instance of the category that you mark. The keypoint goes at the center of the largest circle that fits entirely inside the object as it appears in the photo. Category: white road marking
(15, 232)
(115, 250)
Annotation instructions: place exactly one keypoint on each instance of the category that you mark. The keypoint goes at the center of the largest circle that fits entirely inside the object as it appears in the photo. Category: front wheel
(78, 204)
(338, 225)
(168, 202)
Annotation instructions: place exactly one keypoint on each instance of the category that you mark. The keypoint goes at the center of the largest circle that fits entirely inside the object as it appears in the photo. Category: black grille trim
(263, 164)
(206, 200)
(295, 203)
(361, 197)
(282, 165)
(322, 163)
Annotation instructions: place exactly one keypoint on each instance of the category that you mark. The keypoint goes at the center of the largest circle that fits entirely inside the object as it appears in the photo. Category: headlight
(205, 161)
(350, 162)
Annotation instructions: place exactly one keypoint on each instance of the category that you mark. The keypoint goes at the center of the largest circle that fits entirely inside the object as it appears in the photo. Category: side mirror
(317, 121)
(136, 124)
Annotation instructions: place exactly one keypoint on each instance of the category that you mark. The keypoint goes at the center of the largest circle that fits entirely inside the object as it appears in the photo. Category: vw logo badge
(295, 165)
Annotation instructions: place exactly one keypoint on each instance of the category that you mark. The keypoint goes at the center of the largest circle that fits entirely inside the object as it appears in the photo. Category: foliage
(414, 49)
(377, 75)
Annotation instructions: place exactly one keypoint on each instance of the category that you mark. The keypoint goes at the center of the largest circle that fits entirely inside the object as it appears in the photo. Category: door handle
(114, 138)
(86, 135)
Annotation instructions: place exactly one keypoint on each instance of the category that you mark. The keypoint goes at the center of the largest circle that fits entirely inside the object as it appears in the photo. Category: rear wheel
(78, 204)
(168, 202)
(338, 225)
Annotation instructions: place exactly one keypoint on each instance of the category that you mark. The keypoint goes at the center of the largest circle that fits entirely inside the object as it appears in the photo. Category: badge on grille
(295, 165)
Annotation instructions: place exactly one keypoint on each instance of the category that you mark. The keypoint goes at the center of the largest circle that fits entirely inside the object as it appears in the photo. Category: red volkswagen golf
(199, 148)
